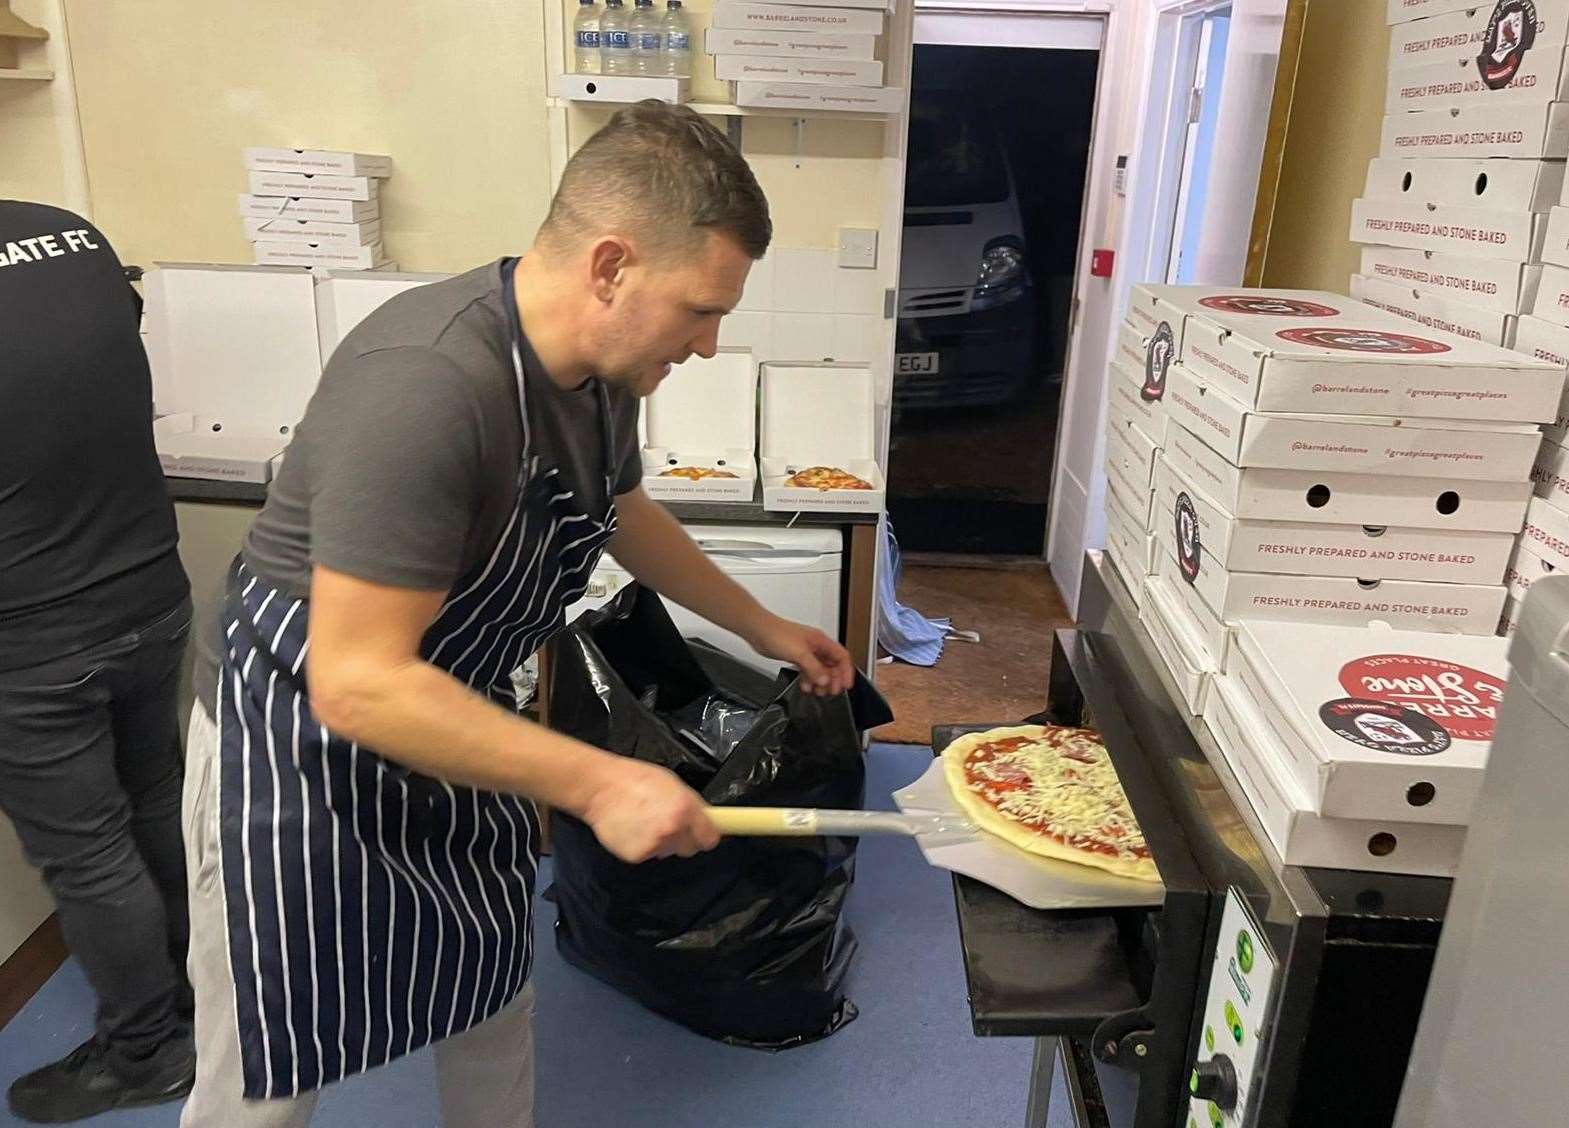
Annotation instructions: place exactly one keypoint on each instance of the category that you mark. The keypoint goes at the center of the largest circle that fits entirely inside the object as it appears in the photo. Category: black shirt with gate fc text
(87, 531)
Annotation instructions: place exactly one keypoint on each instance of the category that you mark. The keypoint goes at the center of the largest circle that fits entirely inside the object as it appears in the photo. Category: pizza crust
(989, 819)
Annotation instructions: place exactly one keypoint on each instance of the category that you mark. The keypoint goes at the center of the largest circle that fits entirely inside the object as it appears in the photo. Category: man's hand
(640, 811)
(825, 666)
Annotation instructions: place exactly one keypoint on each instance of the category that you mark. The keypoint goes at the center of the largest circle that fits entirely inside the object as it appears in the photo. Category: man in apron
(360, 791)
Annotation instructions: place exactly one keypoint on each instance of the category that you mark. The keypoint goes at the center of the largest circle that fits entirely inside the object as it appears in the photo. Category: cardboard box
(1518, 132)
(1477, 232)
(1521, 73)
(1438, 36)
(1140, 540)
(1494, 284)
(313, 231)
(799, 96)
(1555, 243)
(1377, 723)
(1301, 836)
(1313, 352)
(1182, 652)
(1552, 296)
(1551, 475)
(1349, 444)
(1364, 552)
(305, 208)
(790, 44)
(818, 72)
(1512, 186)
(1198, 617)
(1525, 568)
(704, 414)
(618, 88)
(1264, 494)
(344, 298)
(317, 161)
(1509, 621)
(312, 186)
(334, 255)
(1149, 415)
(819, 415)
(1125, 476)
(1546, 532)
(234, 360)
(1436, 312)
(1549, 342)
(1132, 349)
(1403, 10)
(1130, 547)
(744, 16)
(1136, 447)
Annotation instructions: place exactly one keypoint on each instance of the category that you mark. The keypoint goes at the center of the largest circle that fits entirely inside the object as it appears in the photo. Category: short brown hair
(665, 172)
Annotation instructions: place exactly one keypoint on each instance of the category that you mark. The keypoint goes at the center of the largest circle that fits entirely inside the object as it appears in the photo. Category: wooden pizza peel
(951, 840)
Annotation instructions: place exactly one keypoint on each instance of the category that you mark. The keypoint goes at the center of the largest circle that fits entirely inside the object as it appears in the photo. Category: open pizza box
(1352, 444)
(234, 358)
(1300, 835)
(819, 415)
(704, 416)
(1377, 724)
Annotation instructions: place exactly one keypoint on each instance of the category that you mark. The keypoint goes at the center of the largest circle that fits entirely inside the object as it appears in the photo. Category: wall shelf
(26, 74)
(728, 109)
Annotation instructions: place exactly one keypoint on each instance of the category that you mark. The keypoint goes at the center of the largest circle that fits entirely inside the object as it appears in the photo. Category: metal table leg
(1043, 1074)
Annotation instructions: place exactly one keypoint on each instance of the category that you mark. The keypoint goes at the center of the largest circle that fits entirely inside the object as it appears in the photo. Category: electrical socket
(858, 248)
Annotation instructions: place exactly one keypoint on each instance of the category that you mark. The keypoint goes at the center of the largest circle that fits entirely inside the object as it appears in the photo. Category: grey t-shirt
(404, 469)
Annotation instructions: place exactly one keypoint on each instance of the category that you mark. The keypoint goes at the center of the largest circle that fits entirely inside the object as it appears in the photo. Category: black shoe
(85, 1083)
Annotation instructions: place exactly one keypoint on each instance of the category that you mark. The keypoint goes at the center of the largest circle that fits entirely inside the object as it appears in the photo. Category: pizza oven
(1255, 993)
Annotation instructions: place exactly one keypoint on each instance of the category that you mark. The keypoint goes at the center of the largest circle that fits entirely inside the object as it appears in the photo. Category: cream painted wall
(40, 149)
(1337, 111)
(172, 90)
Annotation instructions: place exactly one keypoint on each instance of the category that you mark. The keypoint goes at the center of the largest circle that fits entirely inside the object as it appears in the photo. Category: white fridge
(792, 572)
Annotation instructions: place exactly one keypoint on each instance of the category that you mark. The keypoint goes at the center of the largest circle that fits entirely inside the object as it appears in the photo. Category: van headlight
(1003, 277)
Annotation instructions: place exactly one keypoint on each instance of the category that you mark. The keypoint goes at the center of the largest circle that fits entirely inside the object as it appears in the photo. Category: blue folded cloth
(903, 631)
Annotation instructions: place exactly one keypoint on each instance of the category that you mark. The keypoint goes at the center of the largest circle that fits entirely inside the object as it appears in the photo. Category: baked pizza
(695, 473)
(826, 478)
(1051, 790)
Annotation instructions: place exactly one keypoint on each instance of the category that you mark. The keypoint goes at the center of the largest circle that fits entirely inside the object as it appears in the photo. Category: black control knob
(1215, 1080)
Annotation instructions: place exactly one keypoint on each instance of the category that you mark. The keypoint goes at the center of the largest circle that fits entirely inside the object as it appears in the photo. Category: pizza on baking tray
(695, 473)
(826, 478)
(1051, 790)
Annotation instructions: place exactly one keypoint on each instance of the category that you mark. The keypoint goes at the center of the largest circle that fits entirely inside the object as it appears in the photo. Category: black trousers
(90, 774)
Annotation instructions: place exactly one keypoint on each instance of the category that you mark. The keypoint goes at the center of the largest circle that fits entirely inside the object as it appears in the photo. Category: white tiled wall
(798, 305)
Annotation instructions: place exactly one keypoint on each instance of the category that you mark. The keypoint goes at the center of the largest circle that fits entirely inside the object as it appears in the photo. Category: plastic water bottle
(675, 57)
(585, 38)
(615, 41)
(646, 28)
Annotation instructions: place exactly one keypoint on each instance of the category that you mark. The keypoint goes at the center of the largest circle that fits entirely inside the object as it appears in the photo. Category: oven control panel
(1241, 983)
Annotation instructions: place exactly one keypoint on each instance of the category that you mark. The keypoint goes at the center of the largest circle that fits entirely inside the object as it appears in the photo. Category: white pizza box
(1181, 651)
(1364, 552)
(1501, 77)
(1437, 35)
(704, 414)
(1136, 445)
(1138, 536)
(1525, 568)
(1549, 342)
(741, 15)
(1552, 296)
(1264, 494)
(1144, 311)
(1129, 546)
(804, 96)
(1546, 532)
(1349, 444)
(815, 72)
(818, 415)
(1477, 232)
(1503, 186)
(344, 298)
(1551, 475)
(318, 161)
(308, 208)
(1198, 616)
(1314, 352)
(1146, 360)
(1300, 835)
(1403, 10)
(313, 231)
(234, 361)
(1509, 620)
(1506, 287)
(1123, 476)
(1517, 132)
(1378, 723)
(1130, 350)
(313, 186)
(1555, 243)
(1435, 311)
(339, 256)
(1149, 414)
(785, 43)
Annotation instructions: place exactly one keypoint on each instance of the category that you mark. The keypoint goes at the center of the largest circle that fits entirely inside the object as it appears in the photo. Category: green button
(1234, 1021)
(1215, 1118)
(1193, 1082)
(1209, 1038)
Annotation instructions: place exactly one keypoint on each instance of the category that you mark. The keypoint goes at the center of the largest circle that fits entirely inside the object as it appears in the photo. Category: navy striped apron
(372, 910)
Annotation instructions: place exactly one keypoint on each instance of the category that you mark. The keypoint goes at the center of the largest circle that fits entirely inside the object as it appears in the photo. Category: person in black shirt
(94, 608)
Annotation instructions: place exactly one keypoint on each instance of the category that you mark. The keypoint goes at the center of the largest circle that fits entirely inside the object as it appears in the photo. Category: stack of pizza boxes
(1325, 461)
(1135, 433)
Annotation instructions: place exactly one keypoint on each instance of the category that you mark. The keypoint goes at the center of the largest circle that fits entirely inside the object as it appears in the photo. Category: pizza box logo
(1158, 355)
(1267, 305)
(1382, 727)
(1510, 33)
(1364, 340)
(1189, 551)
(1462, 700)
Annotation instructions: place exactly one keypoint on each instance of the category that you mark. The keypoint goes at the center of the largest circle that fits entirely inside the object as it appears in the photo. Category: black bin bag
(746, 943)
